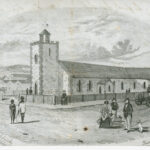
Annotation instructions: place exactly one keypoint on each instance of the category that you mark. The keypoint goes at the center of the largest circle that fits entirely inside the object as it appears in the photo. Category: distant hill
(16, 70)
(19, 68)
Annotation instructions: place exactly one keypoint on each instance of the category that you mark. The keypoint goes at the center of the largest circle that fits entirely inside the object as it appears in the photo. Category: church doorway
(35, 88)
(100, 90)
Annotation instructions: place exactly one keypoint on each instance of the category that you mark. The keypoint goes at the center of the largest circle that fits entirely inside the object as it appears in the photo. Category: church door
(100, 90)
(35, 88)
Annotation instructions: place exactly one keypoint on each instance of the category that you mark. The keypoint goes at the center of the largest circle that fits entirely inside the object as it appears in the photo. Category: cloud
(122, 48)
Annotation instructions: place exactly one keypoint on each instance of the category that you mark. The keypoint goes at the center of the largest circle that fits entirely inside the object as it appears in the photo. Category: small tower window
(89, 86)
(36, 59)
(109, 88)
(144, 85)
(49, 51)
(100, 89)
(79, 86)
(122, 86)
(134, 85)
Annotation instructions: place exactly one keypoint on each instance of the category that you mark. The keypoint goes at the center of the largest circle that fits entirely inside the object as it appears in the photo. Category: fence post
(82, 98)
(33, 98)
(43, 99)
(70, 98)
(26, 98)
(54, 99)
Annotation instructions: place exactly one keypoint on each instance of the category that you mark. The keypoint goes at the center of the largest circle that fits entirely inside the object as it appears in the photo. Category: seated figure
(105, 115)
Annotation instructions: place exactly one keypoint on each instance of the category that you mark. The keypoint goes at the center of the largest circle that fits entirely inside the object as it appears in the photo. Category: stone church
(50, 75)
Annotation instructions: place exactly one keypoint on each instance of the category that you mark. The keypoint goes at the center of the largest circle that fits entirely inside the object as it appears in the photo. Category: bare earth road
(44, 126)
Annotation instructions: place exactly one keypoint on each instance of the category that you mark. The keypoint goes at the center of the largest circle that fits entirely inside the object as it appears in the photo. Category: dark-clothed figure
(114, 107)
(30, 90)
(127, 111)
(12, 110)
(22, 108)
(64, 98)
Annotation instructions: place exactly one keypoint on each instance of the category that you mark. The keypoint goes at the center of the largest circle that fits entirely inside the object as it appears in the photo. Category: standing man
(12, 110)
(22, 108)
(114, 107)
(127, 111)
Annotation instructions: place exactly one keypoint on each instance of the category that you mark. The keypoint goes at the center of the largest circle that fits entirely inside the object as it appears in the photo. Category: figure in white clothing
(22, 109)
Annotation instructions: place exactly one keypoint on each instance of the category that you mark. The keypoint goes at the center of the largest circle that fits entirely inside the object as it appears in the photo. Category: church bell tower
(44, 65)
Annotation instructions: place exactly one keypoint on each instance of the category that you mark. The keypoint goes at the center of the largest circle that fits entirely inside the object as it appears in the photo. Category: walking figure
(22, 108)
(12, 110)
(127, 111)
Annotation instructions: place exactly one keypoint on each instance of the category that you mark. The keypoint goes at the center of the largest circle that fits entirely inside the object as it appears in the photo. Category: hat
(12, 101)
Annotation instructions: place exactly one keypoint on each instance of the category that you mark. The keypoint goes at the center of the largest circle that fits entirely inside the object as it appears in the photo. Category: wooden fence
(54, 100)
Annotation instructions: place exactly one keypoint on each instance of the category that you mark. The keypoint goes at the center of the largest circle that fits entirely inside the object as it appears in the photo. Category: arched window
(109, 88)
(144, 85)
(36, 59)
(79, 86)
(44, 38)
(89, 86)
(49, 52)
(134, 85)
(100, 89)
(122, 86)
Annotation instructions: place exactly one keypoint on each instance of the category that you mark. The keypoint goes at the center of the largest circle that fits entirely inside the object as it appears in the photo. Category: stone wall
(50, 69)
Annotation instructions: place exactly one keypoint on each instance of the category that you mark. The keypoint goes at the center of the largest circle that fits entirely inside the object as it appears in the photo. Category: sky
(80, 29)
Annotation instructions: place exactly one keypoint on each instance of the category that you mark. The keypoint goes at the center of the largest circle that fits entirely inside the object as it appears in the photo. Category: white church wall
(35, 67)
(112, 86)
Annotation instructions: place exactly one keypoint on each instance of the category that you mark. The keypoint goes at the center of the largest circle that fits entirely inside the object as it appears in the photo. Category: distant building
(49, 75)
(14, 84)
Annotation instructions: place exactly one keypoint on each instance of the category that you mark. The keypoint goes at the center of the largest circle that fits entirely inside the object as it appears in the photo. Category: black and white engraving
(74, 72)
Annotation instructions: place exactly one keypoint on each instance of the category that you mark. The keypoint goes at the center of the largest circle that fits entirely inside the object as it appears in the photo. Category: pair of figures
(15, 110)
(109, 112)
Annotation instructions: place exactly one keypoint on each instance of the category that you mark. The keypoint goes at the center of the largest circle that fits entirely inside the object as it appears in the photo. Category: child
(12, 110)
(140, 127)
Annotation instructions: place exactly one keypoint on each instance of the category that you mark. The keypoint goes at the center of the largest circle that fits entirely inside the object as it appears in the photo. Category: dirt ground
(73, 126)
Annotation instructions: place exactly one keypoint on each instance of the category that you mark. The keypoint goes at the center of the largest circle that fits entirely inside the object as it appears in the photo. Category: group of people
(29, 91)
(109, 112)
(17, 109)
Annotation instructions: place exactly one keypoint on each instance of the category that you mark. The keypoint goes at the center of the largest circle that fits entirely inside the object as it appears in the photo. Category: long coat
(127, 110)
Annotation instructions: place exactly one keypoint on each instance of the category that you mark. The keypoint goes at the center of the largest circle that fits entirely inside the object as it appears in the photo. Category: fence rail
(54, 100)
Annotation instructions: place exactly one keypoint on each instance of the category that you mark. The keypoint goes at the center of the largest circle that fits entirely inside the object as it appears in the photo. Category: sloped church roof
(78, 69)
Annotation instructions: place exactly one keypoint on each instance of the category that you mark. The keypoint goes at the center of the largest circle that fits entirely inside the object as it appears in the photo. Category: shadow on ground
(33, 121)
(145, 129)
